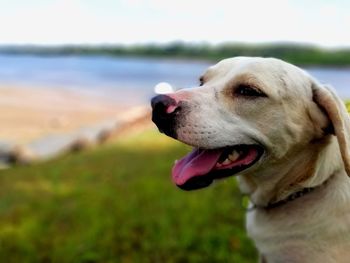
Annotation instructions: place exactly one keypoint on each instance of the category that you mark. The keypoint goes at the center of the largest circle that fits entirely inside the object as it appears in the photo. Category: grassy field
(118, 204)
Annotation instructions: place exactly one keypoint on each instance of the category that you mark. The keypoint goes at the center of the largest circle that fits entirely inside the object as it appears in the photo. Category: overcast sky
(323, 22)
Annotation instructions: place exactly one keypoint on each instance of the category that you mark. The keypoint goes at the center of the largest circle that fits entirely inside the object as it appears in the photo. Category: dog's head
(249, 116)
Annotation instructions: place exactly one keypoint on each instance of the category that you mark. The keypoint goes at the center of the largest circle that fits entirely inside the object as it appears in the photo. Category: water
(120, 79)
(338, 78)
(123, 79)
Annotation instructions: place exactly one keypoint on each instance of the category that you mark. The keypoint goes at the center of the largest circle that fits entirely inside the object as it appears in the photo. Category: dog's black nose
(164, 114)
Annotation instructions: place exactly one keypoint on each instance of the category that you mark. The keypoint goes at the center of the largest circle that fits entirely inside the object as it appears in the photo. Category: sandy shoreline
(27, 114)
(40, 123)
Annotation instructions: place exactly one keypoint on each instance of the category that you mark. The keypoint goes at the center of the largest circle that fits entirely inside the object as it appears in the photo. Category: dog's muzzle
(164, 115)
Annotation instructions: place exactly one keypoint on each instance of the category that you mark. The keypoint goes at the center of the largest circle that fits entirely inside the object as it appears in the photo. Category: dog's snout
(164, 105)
(164, 113)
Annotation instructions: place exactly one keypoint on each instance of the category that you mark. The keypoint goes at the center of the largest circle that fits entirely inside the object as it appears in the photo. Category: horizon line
(173, 42)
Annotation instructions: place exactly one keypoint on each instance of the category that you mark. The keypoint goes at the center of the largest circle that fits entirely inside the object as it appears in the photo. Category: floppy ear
(337, 113)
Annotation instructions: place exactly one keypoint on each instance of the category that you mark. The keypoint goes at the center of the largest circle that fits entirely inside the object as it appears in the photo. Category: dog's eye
(249, 91)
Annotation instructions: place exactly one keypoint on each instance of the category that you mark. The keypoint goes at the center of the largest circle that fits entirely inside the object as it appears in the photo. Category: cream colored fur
(304, 129)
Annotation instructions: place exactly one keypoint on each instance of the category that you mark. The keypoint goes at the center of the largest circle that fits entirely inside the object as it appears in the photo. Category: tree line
(295, 53)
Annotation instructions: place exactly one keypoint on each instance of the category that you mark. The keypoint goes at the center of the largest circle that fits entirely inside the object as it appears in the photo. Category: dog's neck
(308, 168)
(293, 196)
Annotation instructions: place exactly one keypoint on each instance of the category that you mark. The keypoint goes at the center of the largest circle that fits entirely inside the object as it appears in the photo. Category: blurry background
(78, 75)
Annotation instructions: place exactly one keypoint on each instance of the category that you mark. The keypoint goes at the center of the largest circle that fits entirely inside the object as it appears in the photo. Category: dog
(285, 136)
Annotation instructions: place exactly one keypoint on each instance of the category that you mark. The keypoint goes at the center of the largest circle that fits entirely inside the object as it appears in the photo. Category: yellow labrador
(286, 138)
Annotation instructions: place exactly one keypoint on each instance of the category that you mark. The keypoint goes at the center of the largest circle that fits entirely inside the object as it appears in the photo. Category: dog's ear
(338, 115)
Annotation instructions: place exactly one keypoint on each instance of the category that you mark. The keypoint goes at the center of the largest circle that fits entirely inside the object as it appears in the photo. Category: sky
(323, 22)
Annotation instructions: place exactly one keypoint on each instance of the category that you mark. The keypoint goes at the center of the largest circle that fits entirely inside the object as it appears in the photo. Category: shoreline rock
(85, 138)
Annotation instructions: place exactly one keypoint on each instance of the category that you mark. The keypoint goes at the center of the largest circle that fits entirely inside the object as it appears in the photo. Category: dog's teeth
(233, 156)
(226, 162)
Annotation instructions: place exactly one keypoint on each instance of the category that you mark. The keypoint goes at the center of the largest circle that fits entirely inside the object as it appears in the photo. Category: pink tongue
(196, 163)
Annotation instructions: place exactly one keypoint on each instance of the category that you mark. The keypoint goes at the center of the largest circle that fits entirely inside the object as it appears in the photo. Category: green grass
(118, 204)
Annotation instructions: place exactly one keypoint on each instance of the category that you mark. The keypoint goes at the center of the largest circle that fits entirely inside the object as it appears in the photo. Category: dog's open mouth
(199, 168)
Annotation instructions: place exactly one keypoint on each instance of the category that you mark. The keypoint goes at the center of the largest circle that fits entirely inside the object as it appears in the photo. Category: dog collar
(290, 198)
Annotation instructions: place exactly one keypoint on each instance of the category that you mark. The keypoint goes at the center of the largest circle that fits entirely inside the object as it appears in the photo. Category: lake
(123, 79)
